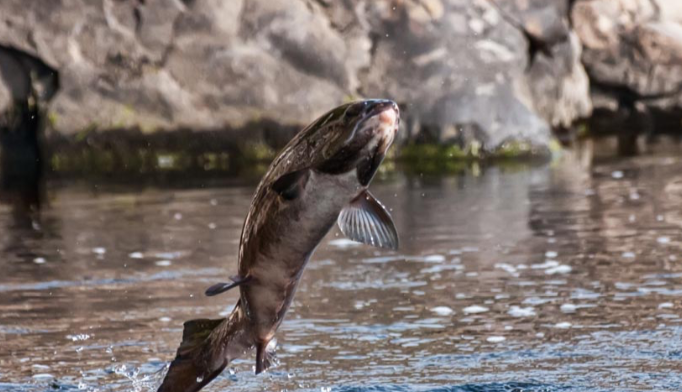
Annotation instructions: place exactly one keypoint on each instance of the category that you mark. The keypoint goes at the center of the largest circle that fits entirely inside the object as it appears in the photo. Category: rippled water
(533, 278)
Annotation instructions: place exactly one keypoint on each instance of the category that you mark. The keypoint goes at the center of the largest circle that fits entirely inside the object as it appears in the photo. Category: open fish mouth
(387, 121)
(388, 112)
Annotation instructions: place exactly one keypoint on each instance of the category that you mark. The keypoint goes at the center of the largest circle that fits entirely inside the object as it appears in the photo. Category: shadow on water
(21, 164)
(31, 85)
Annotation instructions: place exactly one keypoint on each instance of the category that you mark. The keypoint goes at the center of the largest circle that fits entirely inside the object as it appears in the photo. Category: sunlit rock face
(464, 70)
(467, 65)
(632, 51)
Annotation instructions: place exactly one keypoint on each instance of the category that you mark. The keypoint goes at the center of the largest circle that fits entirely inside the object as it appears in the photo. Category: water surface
(533, 278)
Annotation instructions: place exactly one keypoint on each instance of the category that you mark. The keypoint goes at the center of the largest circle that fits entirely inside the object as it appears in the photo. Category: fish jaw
(382, 123)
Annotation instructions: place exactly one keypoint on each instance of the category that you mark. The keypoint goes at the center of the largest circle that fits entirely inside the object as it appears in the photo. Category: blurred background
(536, 184)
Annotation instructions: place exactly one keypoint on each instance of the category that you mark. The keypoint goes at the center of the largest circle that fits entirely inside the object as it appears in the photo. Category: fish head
(364, 131)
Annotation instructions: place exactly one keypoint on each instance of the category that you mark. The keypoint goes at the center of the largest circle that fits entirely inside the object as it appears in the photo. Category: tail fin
(196, 362)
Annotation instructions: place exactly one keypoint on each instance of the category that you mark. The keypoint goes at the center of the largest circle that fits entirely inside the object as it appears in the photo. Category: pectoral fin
(291, 185)
(366, 220)
(219, 288)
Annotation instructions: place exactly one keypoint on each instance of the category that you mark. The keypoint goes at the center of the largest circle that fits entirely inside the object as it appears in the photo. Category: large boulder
(462, 69)
(632, 51)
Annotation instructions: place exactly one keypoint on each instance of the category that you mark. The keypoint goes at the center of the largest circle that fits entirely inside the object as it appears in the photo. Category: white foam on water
(568, 308)
(517, 311)
(163, 263)
(99, 250)
(136, 255)
(473, 309)
(545, 265)
(43, 376)
(665, 305)
(563, 325)
(628, 255)
(344, 243)
(170, 255)
(40, 367)
(550, 254)
(663, 240)
(617, 174)
(507, 268)
(381, 260)
(434, 259)
(442, 310)
(496, 339)
(560, 269)
(39, 260)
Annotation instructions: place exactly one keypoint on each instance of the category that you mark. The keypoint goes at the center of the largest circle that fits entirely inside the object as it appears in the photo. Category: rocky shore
(475, 74)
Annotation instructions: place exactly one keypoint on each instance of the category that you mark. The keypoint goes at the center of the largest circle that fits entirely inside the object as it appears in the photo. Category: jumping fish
(320, 177)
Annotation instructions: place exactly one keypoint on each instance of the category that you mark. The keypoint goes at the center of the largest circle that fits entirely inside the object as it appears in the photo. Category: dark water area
(551, 277)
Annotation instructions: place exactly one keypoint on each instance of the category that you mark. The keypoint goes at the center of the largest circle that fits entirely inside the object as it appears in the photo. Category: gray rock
(468, 65)
(632, 51)
(454, 65)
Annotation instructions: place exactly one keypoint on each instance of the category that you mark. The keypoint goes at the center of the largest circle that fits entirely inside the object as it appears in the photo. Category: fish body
(319, 179)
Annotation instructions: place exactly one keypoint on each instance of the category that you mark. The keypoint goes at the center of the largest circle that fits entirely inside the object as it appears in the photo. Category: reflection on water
(545, 278)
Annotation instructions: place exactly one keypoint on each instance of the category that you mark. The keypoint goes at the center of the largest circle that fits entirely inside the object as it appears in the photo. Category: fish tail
(203, 352)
